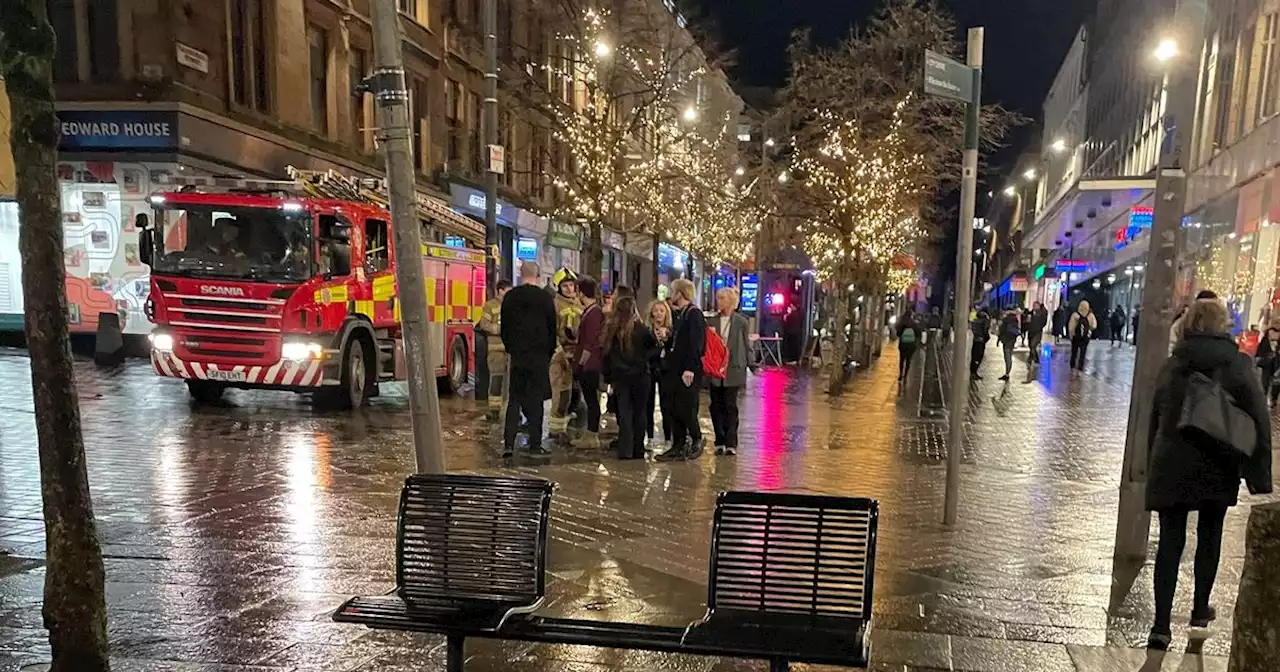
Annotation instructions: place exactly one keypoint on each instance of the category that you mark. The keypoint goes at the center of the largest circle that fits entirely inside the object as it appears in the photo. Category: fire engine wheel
(205, 392)
(456, 375)
(355, 388)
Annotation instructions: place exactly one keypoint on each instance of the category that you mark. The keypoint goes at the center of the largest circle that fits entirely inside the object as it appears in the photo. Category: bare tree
(618, 84)
(74, 602)
(873, 154)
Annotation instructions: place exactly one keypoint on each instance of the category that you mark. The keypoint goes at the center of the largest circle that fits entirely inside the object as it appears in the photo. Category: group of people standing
(573, 348)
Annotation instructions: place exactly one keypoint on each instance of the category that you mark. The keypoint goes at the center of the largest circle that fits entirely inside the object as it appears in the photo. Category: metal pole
(396, 139)
(1133, 522)
(492, 245)
(964, 293)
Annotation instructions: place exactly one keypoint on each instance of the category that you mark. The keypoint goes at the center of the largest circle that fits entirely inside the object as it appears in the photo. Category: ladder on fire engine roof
(331, 184)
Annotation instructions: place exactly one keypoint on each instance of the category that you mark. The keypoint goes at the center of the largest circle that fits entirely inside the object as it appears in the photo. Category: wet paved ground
(230, 533)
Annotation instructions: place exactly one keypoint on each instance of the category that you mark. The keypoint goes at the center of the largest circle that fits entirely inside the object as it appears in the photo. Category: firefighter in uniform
(568, 315)
(496, 356)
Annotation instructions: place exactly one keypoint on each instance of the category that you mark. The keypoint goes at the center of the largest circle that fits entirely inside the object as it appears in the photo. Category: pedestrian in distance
(611, 403)
(589, 361)
(528, 330)
(1035, 332)
(1024, 324)
(934, 323)
(1118, 319)
(908, 341)
(1059, 323)
(1007, 334)
(1137, 315)
(1189, 470)
(980, 325)
(490, 325)
(683, 376)
(733, 329)
(627, 346)
(1268, 360)
(1080, 328)
(658, 319)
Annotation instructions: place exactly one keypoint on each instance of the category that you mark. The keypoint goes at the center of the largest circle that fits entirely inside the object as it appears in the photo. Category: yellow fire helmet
(564, 275)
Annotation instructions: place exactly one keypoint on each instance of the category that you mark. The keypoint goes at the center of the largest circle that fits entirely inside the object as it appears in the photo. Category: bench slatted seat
(470, 551)
(791, 576)
(795, 571)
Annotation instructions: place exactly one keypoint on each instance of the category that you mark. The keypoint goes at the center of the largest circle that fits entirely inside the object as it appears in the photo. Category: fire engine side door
(379, 273)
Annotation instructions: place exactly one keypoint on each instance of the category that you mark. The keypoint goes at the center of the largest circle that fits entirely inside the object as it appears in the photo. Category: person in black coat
(1268, 358)
(529, 335)
(1188, 472)
(628, 346)
(683, 373)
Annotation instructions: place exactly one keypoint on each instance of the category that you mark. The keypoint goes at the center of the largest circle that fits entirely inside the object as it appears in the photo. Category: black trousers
(589, 383)
(657, 400)
(1008, 356)
(683, 403)
(1033, 342)
(526, 397)
(1173, 539)
(724, 415)
(1079, 349)
(976, 354)
(905, 354)
(632, 405)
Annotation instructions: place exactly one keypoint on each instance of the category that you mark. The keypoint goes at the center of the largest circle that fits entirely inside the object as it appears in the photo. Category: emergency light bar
(216, 184)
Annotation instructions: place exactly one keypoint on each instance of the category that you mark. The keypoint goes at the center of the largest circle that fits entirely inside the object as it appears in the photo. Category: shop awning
(1090, 212)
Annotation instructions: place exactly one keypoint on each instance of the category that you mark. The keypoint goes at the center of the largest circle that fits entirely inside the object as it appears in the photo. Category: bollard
(108, 349)
(1255, 641)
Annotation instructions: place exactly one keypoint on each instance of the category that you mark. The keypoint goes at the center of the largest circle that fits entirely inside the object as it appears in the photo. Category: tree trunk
(74, 601)
(593, 264)
(839, 341)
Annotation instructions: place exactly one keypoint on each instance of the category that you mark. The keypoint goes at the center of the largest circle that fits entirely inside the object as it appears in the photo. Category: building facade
(152, 88)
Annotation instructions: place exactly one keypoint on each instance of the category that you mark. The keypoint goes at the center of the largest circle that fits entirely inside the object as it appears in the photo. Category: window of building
(419, 114)
(357, 60)
(250, 68)
(409, 7)
(1268, 67)
(104, 42)
(87, 44)
(318, 43)
(62, 16)
(377, 248)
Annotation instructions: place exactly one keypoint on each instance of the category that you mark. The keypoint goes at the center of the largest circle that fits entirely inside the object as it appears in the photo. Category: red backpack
(715, 359)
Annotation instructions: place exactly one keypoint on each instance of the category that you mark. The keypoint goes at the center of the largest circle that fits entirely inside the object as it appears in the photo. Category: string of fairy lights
(870, 190)
(638, 162)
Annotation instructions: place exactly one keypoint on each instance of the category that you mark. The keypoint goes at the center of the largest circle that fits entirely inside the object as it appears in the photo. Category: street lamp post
(1180, 83)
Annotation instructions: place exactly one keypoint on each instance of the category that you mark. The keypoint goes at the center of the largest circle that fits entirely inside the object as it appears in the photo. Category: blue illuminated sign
(750, 292)
(527, 249)
(117, 129)
(454, 241)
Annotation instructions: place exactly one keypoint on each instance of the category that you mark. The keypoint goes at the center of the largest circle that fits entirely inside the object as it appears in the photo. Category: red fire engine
(290, 285)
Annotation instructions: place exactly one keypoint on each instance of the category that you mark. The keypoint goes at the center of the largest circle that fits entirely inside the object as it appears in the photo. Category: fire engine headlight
(297, 351)
(162, 342)
(149, 309)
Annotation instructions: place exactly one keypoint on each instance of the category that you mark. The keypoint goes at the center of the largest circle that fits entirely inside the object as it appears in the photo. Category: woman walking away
(908, 341)
(1009, 330)
(659, 323)
(732, 328)
(1080, 329)
(627, 345)
(1269, 360)
(1189, 470)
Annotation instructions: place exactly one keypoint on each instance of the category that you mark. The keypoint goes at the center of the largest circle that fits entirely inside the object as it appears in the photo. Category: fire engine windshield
(226, 242)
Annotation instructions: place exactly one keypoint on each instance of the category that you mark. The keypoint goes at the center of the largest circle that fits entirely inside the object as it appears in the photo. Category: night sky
(1025, 40)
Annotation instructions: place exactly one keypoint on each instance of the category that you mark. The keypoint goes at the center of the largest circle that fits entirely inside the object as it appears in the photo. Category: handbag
(1209, 411)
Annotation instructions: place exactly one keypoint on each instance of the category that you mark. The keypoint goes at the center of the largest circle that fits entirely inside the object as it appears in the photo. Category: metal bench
(791, 579)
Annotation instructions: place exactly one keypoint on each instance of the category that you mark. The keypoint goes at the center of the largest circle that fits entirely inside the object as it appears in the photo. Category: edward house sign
(84, 130)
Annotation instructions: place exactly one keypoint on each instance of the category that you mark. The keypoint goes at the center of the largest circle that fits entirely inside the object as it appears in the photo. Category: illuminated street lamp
(1166, 51)
(1030, 174)
(783, 177)
(690, 114)
(1059, 146)
(1010, 191)
(769, 142)
(739, 171)
(602, 49)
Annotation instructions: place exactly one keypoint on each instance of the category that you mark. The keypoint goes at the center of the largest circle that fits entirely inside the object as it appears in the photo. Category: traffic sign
(947, 77)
